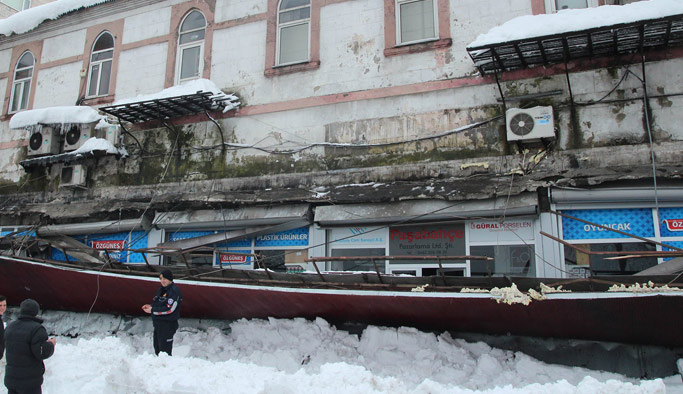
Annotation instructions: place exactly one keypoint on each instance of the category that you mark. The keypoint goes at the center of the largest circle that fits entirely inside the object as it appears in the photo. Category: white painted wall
(5, 59)
(227, 10)
(58, 86)
(141, 71)
(64, 46)
(238, 60)
(147, 25)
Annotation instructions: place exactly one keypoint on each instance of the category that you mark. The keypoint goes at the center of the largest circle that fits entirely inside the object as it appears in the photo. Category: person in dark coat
(27, 345)
(165, 310)
(3, 308)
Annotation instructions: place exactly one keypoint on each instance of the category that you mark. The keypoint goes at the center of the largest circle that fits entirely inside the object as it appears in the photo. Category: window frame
(25, 4)
(21, 82)
(100, 63)
(180, 48)
(435, 16)
(280, 26)
(551, 5)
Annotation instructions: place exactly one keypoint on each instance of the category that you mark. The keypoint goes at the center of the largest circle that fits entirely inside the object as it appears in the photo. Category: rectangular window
(579, 264)
(514, 260)
(358, 265)
(190, 62)
(567, 4)
(293, 44)
(416, 21)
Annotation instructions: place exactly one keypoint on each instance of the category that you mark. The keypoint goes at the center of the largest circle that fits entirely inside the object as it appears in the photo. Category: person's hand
(53, 341)
(147, 308)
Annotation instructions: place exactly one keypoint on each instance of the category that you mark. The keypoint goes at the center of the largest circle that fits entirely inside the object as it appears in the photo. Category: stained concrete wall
(395, 98)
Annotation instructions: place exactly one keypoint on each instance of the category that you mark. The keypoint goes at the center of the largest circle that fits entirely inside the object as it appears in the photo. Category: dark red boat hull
(653, 319)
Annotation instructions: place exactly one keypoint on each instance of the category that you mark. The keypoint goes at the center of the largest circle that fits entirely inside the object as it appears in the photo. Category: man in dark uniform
(27, 346)
(165, 310)
(3, 308)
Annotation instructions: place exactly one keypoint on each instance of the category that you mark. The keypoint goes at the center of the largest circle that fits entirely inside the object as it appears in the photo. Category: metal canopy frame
(597, 42)
(168, 107)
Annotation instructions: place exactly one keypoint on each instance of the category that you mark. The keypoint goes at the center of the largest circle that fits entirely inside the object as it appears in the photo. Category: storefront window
(358, 265)
(514, 260)
(579, 264)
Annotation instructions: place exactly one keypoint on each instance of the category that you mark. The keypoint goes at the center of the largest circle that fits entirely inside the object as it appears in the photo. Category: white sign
(358, 237)
(509, 230)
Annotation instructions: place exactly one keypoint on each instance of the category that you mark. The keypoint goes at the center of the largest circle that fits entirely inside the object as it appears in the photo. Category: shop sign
(671, 222)
(358, 237)
(428, 240)
(493, 230)
(232, 259)
(108, 245)
(632, 221)
(296, 237)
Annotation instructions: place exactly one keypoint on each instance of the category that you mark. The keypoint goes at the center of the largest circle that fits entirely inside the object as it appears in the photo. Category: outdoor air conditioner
(530, 124)
(73, 176)
(113, 134)
(43, 141)
(76, 135)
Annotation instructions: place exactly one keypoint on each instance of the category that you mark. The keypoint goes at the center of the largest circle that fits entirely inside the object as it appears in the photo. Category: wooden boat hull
(642, 318)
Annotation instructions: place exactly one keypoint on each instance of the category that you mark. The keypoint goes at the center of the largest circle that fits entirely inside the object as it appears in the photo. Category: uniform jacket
(166, 303)
(27, 347)
(2, 338)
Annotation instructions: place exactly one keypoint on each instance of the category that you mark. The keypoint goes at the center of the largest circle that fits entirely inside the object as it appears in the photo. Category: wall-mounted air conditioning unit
(76, 135)
(530, 124)
(73, 176)
(43, 141)
(113, 134)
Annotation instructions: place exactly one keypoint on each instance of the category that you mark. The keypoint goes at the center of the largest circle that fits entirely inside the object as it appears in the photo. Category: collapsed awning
(603, 41)
(409, 212)
(238, 223)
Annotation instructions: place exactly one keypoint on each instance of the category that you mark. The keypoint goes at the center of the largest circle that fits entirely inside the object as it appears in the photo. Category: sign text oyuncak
(613, 226)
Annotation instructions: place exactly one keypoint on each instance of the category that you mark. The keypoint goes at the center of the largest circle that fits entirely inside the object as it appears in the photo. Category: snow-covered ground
(114, 355)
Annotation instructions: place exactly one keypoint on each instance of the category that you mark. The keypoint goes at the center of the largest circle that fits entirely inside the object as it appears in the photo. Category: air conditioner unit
(43, 141)
(76, 135)
(530, 124)
(73, 176)
(113, 134)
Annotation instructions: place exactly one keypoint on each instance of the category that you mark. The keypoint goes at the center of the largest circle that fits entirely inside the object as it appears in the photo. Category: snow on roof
(29, 19)
(54, 115)
(190, 87)
(565, 21)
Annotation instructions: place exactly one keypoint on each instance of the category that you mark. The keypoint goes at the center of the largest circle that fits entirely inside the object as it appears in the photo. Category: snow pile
(648, 287)
(93, 144)
(510, 295)
(29, 19)
(300, 356)
(577, 19)
(190, 87)
(54, 115)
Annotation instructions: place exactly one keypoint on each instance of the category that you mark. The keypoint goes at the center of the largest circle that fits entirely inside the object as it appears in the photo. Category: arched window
(100, 66)
(191, 47)
(293, 31)
(21, 89)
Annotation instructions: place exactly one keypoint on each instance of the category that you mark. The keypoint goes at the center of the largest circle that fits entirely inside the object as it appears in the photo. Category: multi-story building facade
(364, 127)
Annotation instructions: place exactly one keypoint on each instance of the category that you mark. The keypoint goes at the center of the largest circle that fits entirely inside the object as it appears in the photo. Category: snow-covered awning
(535, 40)
(190, 98)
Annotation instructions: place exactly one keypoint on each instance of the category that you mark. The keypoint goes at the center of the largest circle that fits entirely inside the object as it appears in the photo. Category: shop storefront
(628, 211)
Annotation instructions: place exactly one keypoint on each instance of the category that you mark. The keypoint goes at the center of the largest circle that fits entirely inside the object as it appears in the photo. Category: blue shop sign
(296, 237)
(671, 222)
(637, 221)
